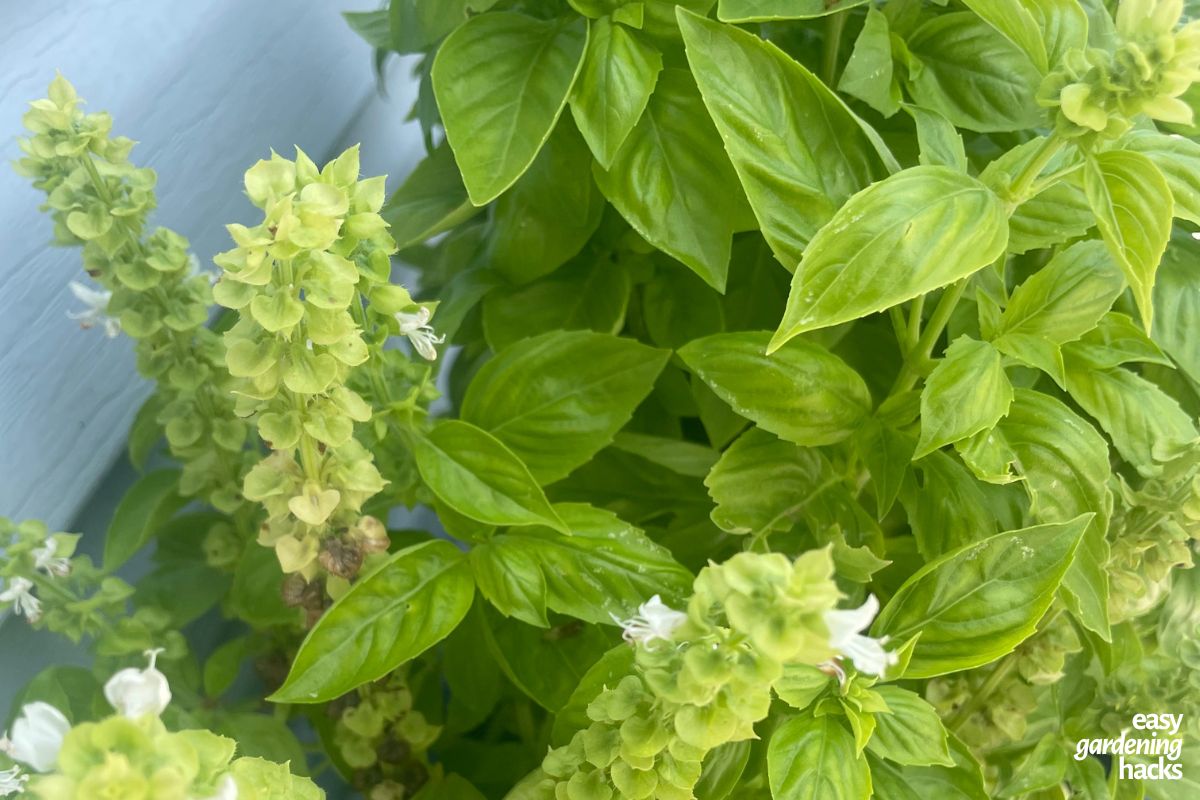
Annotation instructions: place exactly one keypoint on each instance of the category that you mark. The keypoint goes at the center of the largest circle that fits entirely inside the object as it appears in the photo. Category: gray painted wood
(207, 88)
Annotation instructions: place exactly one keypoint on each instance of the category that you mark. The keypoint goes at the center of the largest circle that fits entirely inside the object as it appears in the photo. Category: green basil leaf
(802, 393)
(722, 769)
(501, 81)
(547, 665)
(373, 26)
(1115, 340)
(558, 398)
(941, 145)
(811, 758)
(685, 458)
(1014, 22)
(906, 235)
(1177, 298)
(1065, 466)
(912, 733)
(801, 684)
(1132, 203)
(618, 77)
(254, 596)
(869, 74)
(947, 510)
(1044, 768)
(148, 504)
(1063, 25)
(399, 610)
(550, 212)
(608, 670)
(475, 474)
(975, 604)
(589, 293)
(604, 570)
(1146, 424)
(762, 483)
(766, 10)
(886, 453)
(966, 393)
(431, 200)
(962, 68)
(963, 781)
(1053, 216)
(1179, 161)
(416, 25)
(145, 432)
(799, 152)
(1064, 299)
(673, 183)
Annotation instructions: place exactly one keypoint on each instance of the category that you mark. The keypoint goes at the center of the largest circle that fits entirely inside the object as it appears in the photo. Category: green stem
(1047, 150)
(918, 355)
(834, 25)
(977, 700)
(915, 311)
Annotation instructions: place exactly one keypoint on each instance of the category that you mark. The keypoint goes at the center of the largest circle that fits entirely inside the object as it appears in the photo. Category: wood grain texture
(207, 88)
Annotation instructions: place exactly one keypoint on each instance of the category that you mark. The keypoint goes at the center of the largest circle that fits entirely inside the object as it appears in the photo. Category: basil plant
(801, 398)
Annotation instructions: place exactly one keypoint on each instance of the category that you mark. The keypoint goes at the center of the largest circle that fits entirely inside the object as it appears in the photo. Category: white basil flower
(96, 312)
(12, 781)
(418, 330)
(44, 559)
(845, 636)
(37, 736)
(654, 620)
(136, 692)
(18, 593)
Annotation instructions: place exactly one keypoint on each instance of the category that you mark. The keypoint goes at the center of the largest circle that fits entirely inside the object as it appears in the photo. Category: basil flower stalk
(37, 736)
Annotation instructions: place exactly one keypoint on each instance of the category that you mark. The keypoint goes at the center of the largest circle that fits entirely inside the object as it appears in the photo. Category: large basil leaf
(869, 75)
(393, 614)
(1058, 214)
(479, 477)
(1064, 463)
(762, 483)
(912, 733)
(1014, 22)
(1132, 203)
(1179, 161)
(148, 504)
(966, 393)
(961, 67)
(589, 293)
(501, 81)
(1146, 424)
(802, 393)
(1064, 299)
(947, 509)
(431, 200)
(812, 758)
(618, 77)
(975, 604)
(550, 212)
(904, 236)
(1177, 298)
(798, 150)
(673, 183)
(765, 10)
(547, 665)
(605, 568)
(963, 781)
(556, 399)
